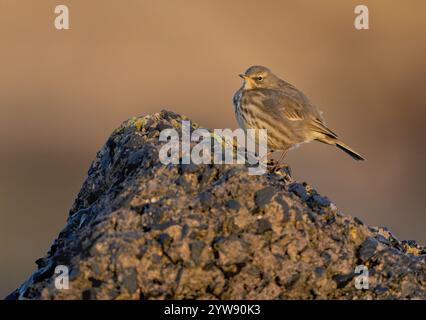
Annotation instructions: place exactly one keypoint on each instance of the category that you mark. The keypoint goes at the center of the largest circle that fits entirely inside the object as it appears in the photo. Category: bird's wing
(319, 126)
(295, 106)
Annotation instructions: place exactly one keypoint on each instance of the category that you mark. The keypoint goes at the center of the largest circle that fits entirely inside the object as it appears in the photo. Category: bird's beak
(242, 76)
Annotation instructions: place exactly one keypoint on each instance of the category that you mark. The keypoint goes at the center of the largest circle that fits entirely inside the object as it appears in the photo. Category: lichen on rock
(140, 229)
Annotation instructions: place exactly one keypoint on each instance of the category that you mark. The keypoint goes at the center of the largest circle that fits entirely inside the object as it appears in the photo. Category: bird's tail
(339, 144)
(325, 135)
(349, 151)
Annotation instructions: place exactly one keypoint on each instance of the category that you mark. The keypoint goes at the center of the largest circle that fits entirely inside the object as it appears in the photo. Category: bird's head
(259, 77)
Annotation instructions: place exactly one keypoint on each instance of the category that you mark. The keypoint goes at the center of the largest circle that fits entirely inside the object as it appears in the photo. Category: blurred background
(63, 92)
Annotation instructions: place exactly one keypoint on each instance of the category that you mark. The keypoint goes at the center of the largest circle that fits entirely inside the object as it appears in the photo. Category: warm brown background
(63, 92)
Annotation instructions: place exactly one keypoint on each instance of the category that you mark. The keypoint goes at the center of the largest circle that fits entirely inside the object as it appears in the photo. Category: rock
(264, 196)
(206, 199)
(196, 248)
(263, 225)
(142, 229)
(300, 190)
(368, 249)
(343, 279)
(233, 204)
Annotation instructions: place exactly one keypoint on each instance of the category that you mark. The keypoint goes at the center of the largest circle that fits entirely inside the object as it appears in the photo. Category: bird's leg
(280, 166)
(283, 154)
(266, 157)
(271, 161)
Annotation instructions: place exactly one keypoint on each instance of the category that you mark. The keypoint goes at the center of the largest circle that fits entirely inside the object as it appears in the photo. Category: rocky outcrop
(140, 229)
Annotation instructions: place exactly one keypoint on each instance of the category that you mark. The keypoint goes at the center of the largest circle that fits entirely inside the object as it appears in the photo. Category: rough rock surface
(143, 230)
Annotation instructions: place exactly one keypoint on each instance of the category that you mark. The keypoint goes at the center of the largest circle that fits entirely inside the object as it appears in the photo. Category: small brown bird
(267, 102)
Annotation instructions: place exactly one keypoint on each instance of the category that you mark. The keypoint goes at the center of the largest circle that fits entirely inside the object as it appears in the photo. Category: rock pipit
(267, 102)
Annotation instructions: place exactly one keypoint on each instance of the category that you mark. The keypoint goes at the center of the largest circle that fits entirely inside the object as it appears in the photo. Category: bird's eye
(260, 78)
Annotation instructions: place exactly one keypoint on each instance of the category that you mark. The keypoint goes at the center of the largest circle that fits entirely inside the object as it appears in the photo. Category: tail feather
(339, 144)
(349, 151)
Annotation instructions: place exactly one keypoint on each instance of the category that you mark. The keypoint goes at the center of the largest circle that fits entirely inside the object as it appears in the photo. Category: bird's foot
(280, 169)
(276, 165)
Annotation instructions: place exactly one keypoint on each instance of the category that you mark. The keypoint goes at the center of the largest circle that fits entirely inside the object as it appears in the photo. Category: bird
(265, 101)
